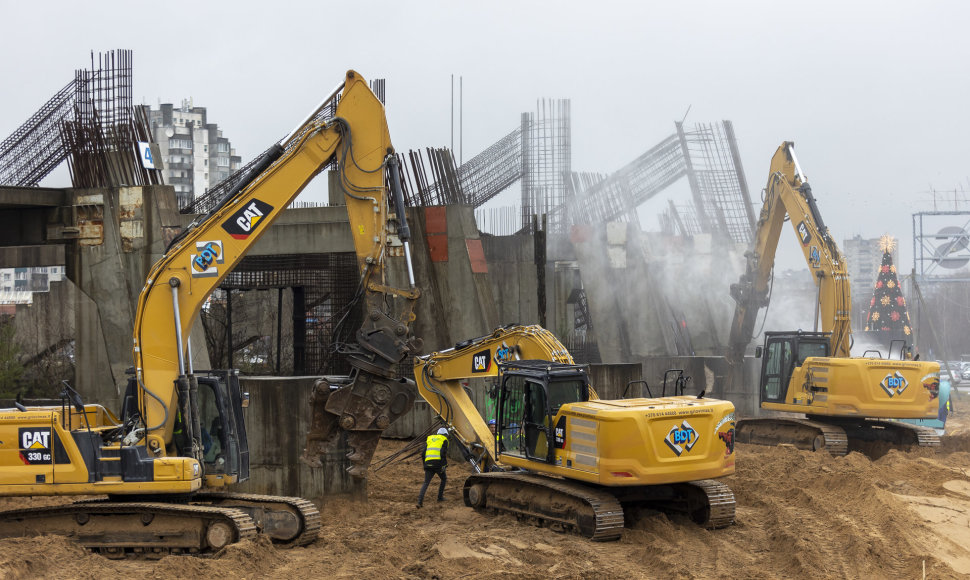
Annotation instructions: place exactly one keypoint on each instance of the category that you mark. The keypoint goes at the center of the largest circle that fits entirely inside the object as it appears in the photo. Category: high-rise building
(17, 284)
(195, 154)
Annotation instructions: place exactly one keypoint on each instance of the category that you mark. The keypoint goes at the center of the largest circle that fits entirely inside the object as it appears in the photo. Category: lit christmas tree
(888, 317)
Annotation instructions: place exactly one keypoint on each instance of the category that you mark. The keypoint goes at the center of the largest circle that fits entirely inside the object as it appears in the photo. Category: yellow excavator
(845, 400)
(565, 458)
(165, 465)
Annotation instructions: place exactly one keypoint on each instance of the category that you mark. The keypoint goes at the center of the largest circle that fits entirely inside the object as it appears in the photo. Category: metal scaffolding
(707, 156)
(102, 138)
(324, 306)
(35, 148)
(538, 153)
(719, 189)
(90, 122)
(546, 161)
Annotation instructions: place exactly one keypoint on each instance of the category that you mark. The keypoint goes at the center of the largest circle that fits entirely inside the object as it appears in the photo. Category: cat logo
(35, 445)
(803, 233)
(244, 222)
(35, 439)
(203, 263)
(481, 362)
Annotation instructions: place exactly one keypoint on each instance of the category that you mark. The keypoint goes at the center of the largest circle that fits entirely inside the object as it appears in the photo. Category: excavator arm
(788, 196)
(199, 259)
(160, 450)
(441, 379)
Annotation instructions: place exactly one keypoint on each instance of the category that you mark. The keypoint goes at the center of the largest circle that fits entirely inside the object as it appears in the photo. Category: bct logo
(481, 362)
(814, 256)
(209, 253)
(682, 438)
(244, 222)
(803, 233)
(894, 384)
(503, 353)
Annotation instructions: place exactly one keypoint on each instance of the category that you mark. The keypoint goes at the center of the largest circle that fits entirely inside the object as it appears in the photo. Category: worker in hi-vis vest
(435, 462)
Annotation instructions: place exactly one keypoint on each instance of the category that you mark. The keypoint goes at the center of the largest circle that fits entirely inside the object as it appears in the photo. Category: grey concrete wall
(513, 277)
(48, 321)
(711, 374)
(629, 312)
(277, 423)
(610, 380)
(456, 303)
(30, 256)
(306, 230)
(138, 223)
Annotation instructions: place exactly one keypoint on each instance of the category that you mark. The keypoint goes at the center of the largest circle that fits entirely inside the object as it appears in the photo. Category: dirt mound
(800, 514)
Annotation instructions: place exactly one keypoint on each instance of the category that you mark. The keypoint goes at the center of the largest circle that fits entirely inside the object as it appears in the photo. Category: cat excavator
(180, 443)
(565, 458)
(846, 401)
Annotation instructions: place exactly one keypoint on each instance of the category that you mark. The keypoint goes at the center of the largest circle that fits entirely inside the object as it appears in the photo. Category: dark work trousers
(429, 472)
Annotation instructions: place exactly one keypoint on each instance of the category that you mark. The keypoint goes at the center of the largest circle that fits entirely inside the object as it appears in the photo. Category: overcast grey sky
(874, 93)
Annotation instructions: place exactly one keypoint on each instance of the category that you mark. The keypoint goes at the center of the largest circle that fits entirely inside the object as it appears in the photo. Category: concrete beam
(301, 231)
(20, 197)
(29, 256)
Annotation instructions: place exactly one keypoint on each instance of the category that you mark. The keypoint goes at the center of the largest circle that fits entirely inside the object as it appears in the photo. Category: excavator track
(717, 506)
(556, 503)
(802, 433)
(596, 513)
(833, 434)
(892, 432)
(288, 521)
(134, 529)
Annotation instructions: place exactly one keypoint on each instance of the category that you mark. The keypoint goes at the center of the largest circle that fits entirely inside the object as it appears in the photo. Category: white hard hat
(442, 431)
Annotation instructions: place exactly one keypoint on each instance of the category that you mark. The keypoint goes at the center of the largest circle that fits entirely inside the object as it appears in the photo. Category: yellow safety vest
(434, 447)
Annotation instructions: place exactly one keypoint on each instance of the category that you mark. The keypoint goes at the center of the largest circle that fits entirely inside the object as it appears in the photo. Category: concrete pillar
(110, 270)
(453, 274)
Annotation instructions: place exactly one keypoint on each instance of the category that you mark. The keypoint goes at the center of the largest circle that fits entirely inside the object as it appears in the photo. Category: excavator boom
(788, 196)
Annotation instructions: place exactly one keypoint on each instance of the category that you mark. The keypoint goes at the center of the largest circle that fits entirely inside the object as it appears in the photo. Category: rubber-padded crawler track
(720, 502)
(894, 432)
(605, 522)
(802, 433)
(133, 529)
(309, 515)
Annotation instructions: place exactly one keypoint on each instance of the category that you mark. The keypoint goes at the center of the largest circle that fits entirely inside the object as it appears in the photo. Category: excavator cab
(782, 352)
(530, 395)
(225, 448)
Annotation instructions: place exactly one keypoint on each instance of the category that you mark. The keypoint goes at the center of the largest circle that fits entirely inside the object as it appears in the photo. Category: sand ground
(799, 515)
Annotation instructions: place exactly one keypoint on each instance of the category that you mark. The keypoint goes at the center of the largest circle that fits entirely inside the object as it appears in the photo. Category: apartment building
(196, 156)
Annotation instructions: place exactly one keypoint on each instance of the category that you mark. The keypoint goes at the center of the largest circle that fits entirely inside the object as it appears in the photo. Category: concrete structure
(195, 154)
(276, 425)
